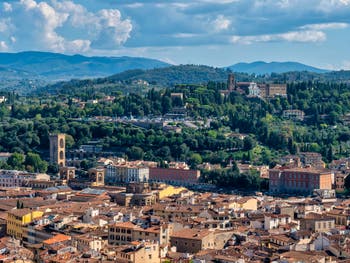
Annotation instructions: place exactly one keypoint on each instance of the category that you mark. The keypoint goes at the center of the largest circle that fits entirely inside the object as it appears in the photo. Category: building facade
(126, 174)
(174, 176)
(299, 180)
(13, 178)
(297, 115)
(58, 149)
(97, 176)
(17, 219)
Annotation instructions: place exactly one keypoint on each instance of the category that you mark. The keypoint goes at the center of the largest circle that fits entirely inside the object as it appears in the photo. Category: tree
(194, 160)
(166, 104)
(69, 141)
(248, 143)
(135, 153)
(16, 161)
(347, 182)
(330, 154)
(53, 168)
(34, 163)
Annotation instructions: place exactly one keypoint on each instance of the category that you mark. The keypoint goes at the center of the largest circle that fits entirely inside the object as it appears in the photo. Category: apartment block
(299, 180)
(17, 219)
(127, 232)
(126, 173)
(195, 240)
(12, 178)
(181, 177)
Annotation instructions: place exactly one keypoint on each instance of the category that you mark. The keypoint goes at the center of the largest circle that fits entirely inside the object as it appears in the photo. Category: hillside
(53, 66)
(189, 74)
(160, 77)
(260, 67)
(128, 81)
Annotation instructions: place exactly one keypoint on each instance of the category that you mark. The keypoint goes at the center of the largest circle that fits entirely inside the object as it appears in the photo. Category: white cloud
(135, 5)
(221, 23)
(185, 35)
(3, 26)
(115, 31)
(3, 46)
(328, 6)
(62, 26)
(324, 26)
(181, 5)
(78, 45)
(219, 1)
(346, 65)
(304, 36)
(7, 7)
(293, 36)
(28, 4)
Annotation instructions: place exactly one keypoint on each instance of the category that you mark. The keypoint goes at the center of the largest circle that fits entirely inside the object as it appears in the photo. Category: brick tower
(58, 149)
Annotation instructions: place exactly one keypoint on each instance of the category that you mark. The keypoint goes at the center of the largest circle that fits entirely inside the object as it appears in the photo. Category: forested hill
(54, 66)
(189, 74)
(261, 67)
(140, 81)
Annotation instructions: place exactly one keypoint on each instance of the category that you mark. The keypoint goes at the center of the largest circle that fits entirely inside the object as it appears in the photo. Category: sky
(211, 32)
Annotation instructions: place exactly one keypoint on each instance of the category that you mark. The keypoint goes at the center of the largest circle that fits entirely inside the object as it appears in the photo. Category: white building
(13, 178)
(273, 221)
(253, 89)
(126, 174)
(137, 174)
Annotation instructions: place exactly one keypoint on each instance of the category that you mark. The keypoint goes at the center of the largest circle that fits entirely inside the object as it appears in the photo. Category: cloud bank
(60, 26)
(97, 26)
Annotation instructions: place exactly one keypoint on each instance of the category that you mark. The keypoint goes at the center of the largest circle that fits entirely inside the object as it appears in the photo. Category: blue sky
(212, 32)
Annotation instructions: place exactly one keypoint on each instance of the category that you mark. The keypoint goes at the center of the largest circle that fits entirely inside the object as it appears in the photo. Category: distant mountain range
(29, 71)
(53, 66)
(260, 67)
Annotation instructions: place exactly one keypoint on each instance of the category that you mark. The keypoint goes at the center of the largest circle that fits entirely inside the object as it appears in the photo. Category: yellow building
(169, 190)
(138, 252)
(245, 203)
(18, 218)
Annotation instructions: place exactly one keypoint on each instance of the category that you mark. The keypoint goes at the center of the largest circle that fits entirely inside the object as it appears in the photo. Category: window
(61, 143)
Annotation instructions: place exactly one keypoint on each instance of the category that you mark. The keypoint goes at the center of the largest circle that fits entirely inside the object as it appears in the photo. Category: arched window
(61, 143)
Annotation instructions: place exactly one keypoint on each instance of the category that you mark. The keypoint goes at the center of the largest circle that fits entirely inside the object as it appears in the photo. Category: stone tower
(231, 82)
(67, 173)
(97, 176)
(58, 149)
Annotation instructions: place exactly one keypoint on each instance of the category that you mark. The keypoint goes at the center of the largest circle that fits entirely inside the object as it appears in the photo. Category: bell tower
(231, 82)
(58, 149)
